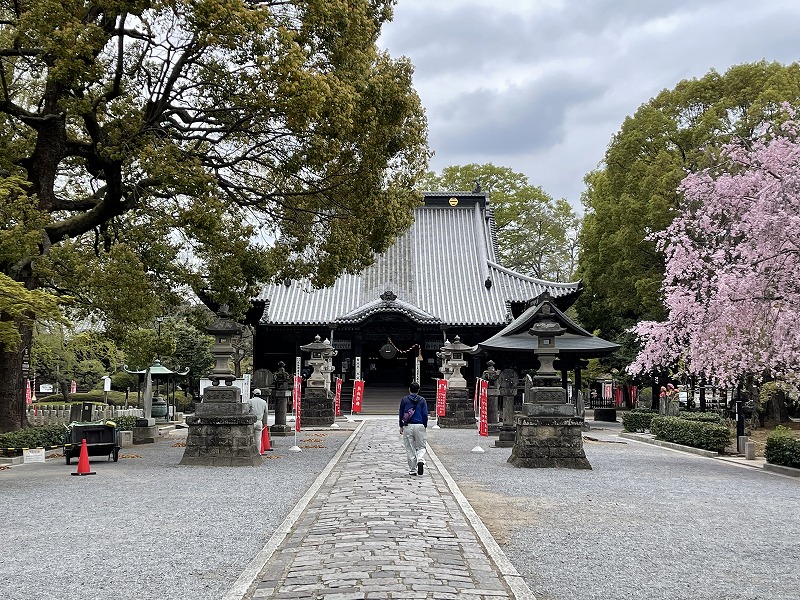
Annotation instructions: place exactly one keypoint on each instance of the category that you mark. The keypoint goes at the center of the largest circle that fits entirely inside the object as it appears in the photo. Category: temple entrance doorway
(385, 367)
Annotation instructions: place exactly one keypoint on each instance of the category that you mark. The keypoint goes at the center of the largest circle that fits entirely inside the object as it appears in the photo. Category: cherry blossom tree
(732, 281)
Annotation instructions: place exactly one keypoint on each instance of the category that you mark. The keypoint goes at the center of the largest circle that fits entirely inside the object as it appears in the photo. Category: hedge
(783, 448)
(638, 419)
(703, 417)
(697, 434)
(33, 437)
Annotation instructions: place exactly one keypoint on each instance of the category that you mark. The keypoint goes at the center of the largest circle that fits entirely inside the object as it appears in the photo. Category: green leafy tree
(192, 351)
(536, 235)
(153, 148)
(88, 373)
(634, 193)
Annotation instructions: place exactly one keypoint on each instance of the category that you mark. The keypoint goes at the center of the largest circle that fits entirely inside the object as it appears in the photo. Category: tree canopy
(153, 147)
(536, 235)
(732, 259)
(635, 192)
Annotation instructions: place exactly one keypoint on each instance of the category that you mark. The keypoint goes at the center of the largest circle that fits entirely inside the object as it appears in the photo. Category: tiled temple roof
(443, 270)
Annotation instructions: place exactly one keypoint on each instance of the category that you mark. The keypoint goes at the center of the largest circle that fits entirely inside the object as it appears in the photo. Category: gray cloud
(541, 87)
(517, 120)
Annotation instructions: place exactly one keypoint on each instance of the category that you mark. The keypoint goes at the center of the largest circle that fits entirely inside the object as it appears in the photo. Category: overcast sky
(541, 86)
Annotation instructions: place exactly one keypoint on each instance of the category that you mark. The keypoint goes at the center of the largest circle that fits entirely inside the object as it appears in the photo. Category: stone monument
(548, 433)
(459, 407)
(221, 430)
(317, 406)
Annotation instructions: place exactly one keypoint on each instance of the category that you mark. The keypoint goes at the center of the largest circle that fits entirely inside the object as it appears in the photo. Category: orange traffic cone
(83, 461)
(265, 445)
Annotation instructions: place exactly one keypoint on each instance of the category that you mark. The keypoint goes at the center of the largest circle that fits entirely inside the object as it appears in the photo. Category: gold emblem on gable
(453, 201)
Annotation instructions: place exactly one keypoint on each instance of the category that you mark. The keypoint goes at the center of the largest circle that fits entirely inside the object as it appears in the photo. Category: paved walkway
(368, 530)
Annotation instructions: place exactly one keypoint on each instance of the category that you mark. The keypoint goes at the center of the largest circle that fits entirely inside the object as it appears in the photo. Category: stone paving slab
(369, 530)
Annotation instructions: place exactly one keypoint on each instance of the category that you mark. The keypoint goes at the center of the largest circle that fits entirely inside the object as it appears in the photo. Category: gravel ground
(145, 527)
(644, 523)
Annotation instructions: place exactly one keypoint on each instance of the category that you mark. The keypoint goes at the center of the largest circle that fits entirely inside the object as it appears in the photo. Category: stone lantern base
(459, 410)
(221, 435)
(316, 409)
(549, 441)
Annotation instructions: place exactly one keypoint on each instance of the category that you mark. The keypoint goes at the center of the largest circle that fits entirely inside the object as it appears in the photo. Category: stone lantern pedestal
(221, 430)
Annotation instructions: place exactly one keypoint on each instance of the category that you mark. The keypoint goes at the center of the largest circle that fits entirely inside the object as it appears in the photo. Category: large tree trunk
(12, 386)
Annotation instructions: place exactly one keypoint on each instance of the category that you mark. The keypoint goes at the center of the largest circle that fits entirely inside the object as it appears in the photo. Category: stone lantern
(548, 434)
(317, 404)
(492, 376)
(459, 408)
(282, 382)
(221, 430)
(453, 357)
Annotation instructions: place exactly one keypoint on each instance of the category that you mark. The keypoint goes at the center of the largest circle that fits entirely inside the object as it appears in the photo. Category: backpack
(409, 413)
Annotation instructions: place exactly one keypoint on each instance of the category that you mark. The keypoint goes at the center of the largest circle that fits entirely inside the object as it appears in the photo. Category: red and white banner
(73, 387)
(441, 397)
(28, 391)
(296, 391)
(483, 417)
(337, 402)
(607, 393)
(358, 395)
(296, 397)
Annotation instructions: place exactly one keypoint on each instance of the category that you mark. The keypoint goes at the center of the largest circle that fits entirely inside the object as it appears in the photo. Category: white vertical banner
(417, 366)
(298, 365)
(358, 368)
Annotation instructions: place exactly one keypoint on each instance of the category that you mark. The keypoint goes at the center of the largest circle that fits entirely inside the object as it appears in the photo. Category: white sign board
(33, 455)
(243, 383)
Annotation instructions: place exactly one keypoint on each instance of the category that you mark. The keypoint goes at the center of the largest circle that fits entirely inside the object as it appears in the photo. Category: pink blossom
(732, 277)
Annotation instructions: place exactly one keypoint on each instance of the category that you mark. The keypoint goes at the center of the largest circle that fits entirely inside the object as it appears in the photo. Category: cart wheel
(116, 454)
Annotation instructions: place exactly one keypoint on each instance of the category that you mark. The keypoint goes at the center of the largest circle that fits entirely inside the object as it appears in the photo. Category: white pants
(258, 427)
(414, 441)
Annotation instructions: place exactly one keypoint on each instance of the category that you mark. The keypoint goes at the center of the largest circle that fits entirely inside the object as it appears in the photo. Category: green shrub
(702, 417)
(125, 423)
(697, 434)
(783, 448)
(638, 419)
(33, 437)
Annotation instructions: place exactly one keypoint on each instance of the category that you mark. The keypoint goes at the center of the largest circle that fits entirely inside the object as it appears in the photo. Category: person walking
(413, 423)
(258, 407)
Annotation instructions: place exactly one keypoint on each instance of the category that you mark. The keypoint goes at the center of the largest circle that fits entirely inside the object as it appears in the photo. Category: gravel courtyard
(645, 523)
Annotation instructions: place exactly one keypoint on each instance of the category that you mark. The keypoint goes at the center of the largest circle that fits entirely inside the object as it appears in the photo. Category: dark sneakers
(420, 468)
(412, 473)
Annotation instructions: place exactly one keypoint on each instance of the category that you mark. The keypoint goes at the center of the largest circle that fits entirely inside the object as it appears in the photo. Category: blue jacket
(420, 409)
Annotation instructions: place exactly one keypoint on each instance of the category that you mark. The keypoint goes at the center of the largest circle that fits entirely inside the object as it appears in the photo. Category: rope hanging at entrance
(407, 350)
